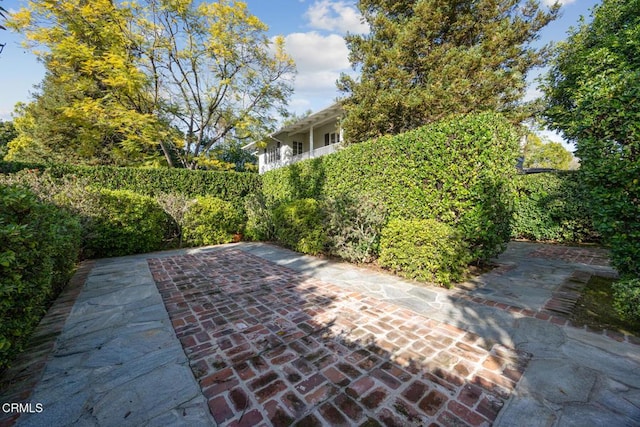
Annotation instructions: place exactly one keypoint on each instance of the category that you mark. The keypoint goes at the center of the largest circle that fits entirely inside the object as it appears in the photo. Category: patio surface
(253, 334)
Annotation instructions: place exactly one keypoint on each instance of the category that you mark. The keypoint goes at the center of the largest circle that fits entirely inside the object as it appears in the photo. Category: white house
(314, 136)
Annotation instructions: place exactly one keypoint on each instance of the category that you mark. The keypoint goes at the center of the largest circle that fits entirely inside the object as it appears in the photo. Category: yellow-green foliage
(121, 222)
(211, 221)
(299, 225)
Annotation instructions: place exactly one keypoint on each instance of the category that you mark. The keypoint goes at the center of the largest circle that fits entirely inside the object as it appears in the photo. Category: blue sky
(313, 30)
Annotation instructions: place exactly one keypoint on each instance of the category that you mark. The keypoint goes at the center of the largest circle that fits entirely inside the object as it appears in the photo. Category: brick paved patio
(270, 346)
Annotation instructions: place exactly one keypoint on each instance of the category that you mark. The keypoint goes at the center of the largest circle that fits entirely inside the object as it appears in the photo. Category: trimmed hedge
(424, 249)
(211, 221)
(230, 186)
(458, 171)
(299, 226)
(121, 222)
(553, 206)
(40, 245)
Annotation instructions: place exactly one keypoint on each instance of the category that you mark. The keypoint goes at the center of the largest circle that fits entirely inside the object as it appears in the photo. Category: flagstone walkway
(253, 334)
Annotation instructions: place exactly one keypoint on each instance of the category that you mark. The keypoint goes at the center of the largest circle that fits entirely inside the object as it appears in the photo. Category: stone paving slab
(117, 360)
(270, 345)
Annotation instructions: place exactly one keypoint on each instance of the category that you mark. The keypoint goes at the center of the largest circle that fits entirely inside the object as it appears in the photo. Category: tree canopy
(592, 93)
(426, 59)
(153, 82)
(545, 154)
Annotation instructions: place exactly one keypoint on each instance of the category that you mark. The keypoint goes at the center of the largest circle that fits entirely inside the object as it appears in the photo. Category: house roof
(330, 112)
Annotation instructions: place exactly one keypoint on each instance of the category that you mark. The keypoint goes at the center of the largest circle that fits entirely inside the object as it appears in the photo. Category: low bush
(424, 249)
(353, 227)
(552, 206)
(176, 206)
(211, 221)
(260, 223)
(627, 299)
(299, 226)
(40, 246)
(120, 222)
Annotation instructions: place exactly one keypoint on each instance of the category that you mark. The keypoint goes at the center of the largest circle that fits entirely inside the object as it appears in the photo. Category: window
(331, 138)
(297, 148)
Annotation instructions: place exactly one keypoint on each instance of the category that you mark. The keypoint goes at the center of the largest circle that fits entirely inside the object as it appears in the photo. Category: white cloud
(314, 52)
(319, 59)
(338, 16)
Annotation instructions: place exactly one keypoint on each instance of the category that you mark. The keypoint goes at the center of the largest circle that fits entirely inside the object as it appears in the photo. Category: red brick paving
(270, 346)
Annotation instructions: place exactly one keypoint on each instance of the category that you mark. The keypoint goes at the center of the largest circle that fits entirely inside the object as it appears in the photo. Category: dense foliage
(545, 154)
(424, 249)
(424, 60)
(121, 222)
(353, 227)
(553, 207)
(299, 225)
(211, 221)
(457, 171)
(230, 186)
(40, 245)
(593, 96)
(627, 298)
(7, 134)
(150, 82)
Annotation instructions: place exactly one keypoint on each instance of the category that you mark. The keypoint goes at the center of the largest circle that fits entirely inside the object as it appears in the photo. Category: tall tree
(7, 134)
(426, 59)
(158, 79)
(593, 98)
(215, 72)
(92, 106)
(545, 154)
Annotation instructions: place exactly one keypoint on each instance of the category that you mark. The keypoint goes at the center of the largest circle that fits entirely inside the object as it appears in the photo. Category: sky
(314, 32)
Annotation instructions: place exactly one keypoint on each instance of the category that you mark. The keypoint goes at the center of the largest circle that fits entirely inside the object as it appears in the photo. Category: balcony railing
(283, 156)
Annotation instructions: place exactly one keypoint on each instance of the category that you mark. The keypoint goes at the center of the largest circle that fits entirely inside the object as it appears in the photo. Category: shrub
(299, 226)
(40, 245)
(120, 222)
(211, 221)
(627, 299)
(353, 227)
(260, 223)
(552, 207)
(176, 206)
(424, 249)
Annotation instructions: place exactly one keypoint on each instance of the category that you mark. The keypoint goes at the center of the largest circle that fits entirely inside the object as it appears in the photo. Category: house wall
(318, 137)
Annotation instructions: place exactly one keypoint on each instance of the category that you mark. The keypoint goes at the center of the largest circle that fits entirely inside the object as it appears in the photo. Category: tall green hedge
(39, 247)
(553, 206)
(229, 186)
(458, 171)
